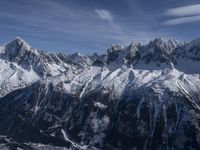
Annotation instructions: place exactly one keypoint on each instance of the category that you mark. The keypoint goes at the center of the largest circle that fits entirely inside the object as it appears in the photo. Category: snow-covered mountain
(134, 97)
(21, 65)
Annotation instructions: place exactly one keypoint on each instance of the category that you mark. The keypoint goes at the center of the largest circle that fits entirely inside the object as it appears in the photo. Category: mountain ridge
(134, 97)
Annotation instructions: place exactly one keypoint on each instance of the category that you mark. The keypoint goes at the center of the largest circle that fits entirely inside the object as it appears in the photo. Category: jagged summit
(20, 39)
(188, 51)
(170, 44)
(19, 42)
(195, 41)
(16, 49)
(115, 48)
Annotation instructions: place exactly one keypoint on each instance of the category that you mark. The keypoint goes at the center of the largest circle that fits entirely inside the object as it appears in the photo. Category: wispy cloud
(183, 15)
(104, 14)
(184, 11)
(182, 20)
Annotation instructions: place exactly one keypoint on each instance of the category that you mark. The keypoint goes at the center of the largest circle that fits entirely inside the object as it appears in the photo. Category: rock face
(137, 97)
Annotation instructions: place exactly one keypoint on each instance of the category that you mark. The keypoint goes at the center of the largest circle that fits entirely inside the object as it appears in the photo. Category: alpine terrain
(138, 97)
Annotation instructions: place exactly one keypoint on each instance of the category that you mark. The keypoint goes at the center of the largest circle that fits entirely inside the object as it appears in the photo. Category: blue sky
(89, 26)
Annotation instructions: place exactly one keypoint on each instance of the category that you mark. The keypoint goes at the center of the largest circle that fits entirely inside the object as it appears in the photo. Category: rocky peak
(190, 50)
(159, 50)
(114, 48)
(195, 42)
(132, 52)
(19, 43)
(78, 60)
(161, 44)
(15, 50)
(114, 51)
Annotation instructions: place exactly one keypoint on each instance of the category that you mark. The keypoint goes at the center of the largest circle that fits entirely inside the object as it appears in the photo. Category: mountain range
(142, 96)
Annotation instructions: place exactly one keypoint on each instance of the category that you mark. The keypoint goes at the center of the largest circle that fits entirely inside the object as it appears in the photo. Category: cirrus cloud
(182, 20)
(184, 11)
(183, 15)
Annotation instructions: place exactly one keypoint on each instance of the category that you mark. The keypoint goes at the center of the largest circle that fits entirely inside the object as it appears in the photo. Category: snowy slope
(13, 77)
